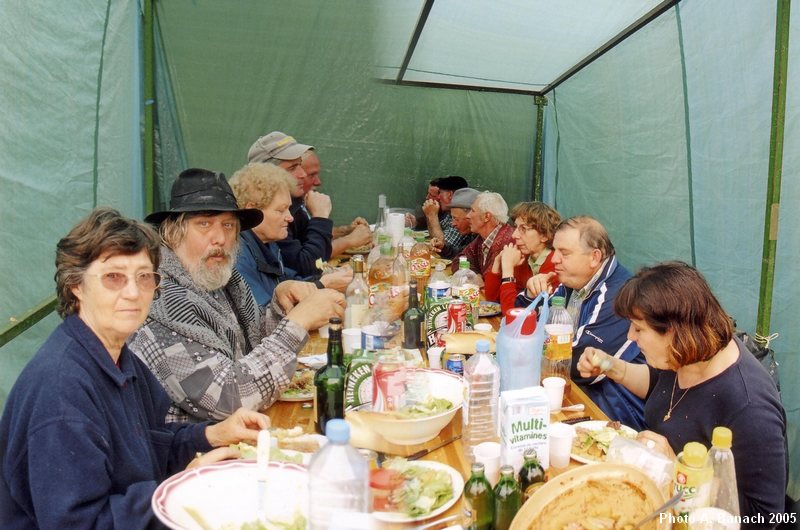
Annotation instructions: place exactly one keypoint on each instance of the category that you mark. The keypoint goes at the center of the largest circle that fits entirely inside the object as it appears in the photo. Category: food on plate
(296, 440)
(429, 407)
(363, 249)
(489, 308)
(248, 452)
(592, 444)
(298, 522)
(423, 489)
(301, 385)
(587, 507)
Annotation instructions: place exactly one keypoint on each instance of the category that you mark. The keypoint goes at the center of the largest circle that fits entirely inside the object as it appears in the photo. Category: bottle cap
(337, 431)
(478, 468)
(463, 263)
(506, 470)
(529, 326)
(530, 454)
(482, 346)
(558, 301)
(694, 454)
(722, 437)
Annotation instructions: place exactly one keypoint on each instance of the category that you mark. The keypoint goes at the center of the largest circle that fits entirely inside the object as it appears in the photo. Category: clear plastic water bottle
(338, 479)
(479, 414)
(557, 355)
(466, 285)
(724, 493)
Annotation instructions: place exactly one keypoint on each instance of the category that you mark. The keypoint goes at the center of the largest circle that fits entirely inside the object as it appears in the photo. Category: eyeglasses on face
(523, 229)
(116, 281)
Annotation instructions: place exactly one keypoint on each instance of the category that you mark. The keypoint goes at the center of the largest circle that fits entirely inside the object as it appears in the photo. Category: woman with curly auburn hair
(699, 376)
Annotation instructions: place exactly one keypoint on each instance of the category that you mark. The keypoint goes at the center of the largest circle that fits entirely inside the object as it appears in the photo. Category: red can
(456, 316)
(528, 326)
(388, 383)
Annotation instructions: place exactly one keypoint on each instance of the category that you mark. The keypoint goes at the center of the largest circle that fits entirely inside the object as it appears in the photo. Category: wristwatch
(508, 279)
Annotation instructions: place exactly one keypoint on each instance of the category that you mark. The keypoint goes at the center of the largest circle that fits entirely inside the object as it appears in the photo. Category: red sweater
(507, 292)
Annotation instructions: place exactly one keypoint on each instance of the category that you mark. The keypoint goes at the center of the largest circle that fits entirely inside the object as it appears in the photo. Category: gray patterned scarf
(206, 316)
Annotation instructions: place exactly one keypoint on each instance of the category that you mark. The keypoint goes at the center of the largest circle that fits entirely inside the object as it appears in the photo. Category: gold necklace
(668, 415)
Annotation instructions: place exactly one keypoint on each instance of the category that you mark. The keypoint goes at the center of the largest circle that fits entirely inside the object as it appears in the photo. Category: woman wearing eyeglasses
(82, 437)
(531, 253)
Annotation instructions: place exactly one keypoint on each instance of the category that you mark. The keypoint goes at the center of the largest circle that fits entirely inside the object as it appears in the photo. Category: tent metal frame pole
(17, 326)
(412, 45)
(608, 46)
(541, 103)
(775, 173)
(148, 142)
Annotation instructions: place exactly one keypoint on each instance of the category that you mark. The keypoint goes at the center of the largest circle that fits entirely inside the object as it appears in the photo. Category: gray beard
(211, 279)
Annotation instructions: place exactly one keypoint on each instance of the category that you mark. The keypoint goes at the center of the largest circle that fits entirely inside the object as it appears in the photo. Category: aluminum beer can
(455, 363)
(456, 316)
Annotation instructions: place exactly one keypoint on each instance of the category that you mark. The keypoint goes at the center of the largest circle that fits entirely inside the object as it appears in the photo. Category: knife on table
(262, 467)
(419, 454)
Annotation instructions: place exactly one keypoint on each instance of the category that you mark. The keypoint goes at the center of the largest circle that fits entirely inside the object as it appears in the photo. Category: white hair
(493, 203)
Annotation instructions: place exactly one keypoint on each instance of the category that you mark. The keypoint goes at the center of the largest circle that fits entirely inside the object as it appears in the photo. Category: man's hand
(411, 221)
(241, 426)
(360, 236)
(541, 283)
(510, 257)
(431, 208)
(318, 204)
(316, 310)
(359, 221)
(289, 293)
(338, 279)
(437, 244)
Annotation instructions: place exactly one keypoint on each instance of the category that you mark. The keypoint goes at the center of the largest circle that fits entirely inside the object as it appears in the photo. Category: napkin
(314, 361)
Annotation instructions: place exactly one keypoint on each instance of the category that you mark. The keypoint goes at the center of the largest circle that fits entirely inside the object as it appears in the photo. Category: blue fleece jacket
(598, 326)
(83, 441)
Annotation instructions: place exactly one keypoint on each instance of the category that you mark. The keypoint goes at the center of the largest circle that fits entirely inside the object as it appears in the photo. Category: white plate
(314, 361)
(595, 425)
(458, 487)
(296, 397)
(227, 493)
(489, 309)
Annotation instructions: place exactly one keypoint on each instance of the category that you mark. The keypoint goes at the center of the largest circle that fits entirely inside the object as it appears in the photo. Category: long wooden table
(290, 414)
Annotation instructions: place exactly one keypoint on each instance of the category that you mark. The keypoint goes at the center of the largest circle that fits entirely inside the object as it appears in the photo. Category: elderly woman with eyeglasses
(83, 442)
(530, 254)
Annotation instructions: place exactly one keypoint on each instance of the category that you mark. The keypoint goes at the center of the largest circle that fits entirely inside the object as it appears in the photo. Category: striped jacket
(599, 327)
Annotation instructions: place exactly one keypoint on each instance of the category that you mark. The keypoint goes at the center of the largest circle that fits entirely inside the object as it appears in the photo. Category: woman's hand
(510, 257)
(655, 441)
(215, 455)
(241, 426)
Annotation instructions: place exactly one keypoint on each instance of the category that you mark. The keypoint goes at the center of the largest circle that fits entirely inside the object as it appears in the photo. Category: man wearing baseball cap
(204, 338)
(449, 239)
(311, 231)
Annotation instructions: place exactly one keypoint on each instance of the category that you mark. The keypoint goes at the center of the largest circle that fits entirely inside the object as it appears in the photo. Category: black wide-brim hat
(201, 190)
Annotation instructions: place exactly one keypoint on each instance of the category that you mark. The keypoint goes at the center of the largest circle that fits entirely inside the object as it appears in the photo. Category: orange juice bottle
(420, 263)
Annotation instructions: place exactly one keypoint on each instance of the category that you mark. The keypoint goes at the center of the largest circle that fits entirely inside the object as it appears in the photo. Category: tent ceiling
(525, 45)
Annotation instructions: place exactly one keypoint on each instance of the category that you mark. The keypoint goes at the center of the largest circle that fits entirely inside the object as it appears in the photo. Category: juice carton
(524, 418)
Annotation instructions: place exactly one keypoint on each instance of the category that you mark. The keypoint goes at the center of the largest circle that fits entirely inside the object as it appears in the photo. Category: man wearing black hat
(205, 339)
(447, 239)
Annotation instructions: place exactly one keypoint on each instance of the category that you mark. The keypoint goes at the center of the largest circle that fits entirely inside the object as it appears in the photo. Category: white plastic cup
(560, 436)
(712, 519)
(435, 357)
(554, 388)
(396, 225)
(351, 339)
(483, 326)
(488, 454)
(323, 331)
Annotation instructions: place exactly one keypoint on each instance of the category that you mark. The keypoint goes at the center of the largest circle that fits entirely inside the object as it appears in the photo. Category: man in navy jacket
(590, 277)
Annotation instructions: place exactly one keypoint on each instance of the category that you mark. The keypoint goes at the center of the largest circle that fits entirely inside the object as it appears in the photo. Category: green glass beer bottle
(478, 500)
(507, 498)
(330, 379)
(531, 472)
